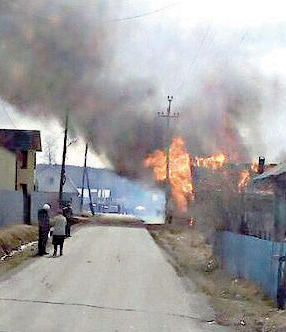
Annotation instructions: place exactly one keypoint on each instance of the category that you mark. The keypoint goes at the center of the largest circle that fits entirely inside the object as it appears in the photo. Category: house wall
(259, 215)
(27, 175)
(48, 180)
(7, 169)
(280, 211)
(38, 199)
(11, 208)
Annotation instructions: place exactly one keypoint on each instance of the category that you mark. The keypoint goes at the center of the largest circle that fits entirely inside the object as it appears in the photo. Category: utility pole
(63, 170)
(83, 177)
(168, 116)
(85, 174)
(89, 193)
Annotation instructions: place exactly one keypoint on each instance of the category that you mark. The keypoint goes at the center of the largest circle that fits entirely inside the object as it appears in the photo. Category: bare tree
(50, 150)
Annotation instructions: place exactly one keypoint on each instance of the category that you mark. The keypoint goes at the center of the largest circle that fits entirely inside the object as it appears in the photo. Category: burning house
(273, 183)
(219, 194)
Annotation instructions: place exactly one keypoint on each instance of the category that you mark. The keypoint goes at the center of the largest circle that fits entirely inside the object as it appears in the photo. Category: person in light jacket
(59, 232)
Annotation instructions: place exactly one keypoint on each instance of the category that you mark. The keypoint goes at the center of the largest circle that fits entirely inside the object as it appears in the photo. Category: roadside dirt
(238, 303)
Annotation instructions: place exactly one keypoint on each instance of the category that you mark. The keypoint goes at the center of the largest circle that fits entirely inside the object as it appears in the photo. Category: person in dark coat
(68, 213)
(281, 290)
(44, 228)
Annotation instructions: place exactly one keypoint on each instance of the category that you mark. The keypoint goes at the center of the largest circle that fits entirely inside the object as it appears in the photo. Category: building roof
(23, 140)
(272, 172)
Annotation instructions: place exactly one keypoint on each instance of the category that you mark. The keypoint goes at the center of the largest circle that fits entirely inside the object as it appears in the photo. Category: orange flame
(243, 180)
(182, 188)
(180, 170)
(216, 161)
(254, 167)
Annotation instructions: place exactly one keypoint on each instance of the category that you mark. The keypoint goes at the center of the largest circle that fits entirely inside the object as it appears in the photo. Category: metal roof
(272, 172)
(23, 140)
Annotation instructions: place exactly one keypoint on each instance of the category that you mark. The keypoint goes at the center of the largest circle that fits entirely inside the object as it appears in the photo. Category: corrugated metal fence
(12, 208)
(251, 258)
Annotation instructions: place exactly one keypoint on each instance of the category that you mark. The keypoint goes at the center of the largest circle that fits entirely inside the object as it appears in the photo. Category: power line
(144, 14)
(16, 10)
(195, 58)
(202, 48)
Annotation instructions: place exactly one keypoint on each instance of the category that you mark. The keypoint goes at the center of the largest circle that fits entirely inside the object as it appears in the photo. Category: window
(24, 159)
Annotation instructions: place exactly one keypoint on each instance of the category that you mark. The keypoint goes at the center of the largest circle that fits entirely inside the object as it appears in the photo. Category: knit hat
(46, 206)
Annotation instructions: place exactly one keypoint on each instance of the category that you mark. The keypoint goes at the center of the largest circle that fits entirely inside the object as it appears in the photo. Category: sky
(223, 61)
(52, 131)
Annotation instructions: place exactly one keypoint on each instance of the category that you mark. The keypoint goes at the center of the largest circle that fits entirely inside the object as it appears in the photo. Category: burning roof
(273, 171)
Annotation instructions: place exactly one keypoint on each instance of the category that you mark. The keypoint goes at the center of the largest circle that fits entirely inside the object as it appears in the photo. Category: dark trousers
(58, 240)
(281, 297)
(68, 229)
(43, 238)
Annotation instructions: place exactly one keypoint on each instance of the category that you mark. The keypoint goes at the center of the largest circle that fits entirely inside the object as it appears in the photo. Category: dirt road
(109, 279)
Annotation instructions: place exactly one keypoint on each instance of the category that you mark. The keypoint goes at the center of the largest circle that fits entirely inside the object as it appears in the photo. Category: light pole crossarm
(169, 116)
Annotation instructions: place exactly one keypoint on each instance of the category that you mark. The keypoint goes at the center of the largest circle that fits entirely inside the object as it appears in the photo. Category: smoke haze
(58, 56)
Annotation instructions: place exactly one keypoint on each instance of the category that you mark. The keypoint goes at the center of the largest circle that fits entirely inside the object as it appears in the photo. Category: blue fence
(251, 258)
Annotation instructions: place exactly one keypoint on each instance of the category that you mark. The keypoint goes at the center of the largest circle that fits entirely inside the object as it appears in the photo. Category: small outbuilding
(47, 187)
(275, 178)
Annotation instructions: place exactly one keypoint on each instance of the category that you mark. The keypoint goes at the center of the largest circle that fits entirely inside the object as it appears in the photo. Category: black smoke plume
(62, 56)
(57, 57)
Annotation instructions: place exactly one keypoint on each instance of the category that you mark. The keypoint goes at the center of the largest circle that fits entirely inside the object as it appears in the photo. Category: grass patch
(11, 239)
(237, 302)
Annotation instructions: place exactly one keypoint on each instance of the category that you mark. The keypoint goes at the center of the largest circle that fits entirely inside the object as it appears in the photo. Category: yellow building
(7, 169)
(18, 162)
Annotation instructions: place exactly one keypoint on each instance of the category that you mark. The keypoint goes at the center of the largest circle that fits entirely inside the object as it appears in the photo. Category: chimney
(261, 162)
